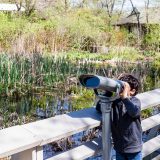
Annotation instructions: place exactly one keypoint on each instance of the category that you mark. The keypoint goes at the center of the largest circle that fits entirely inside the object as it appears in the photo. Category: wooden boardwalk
(25, 142)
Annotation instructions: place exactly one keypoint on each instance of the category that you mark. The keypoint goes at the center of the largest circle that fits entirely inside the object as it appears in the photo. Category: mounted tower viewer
(125, 121)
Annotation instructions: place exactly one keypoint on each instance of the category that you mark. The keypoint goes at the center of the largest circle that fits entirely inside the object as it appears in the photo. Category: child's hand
(126, 91)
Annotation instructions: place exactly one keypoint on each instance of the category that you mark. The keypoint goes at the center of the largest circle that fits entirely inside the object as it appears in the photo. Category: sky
(136, 3)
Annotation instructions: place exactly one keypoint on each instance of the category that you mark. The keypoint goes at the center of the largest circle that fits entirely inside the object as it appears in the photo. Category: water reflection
(31, 108)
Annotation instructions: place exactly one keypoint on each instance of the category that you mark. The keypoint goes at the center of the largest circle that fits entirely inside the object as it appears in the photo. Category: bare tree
(147, 2)
(109, 5)
(82, 4)
(19, 4)
(65, 5)
(122, 6)
(137, 13)
(29, 6)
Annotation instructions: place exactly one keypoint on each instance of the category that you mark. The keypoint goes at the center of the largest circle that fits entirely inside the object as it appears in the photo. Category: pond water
(31, 108)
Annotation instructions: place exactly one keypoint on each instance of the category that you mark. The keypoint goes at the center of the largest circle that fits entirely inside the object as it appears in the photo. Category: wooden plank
(151, 146)
(55, 128)
(151, 122)
(64, 125)
(156, 158)
(39, 153)
(149, 99)
(89, 149)
(72, 154)
(16, 139)
(81, 152)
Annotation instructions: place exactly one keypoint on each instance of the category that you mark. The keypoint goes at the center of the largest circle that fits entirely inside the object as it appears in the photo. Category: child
(125, 121)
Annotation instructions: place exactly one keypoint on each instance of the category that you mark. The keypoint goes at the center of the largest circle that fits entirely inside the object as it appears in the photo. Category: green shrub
(78, 29)
(152, 38)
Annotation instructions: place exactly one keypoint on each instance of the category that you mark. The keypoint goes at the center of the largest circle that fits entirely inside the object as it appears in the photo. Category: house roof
(153, 15)
(9, 7)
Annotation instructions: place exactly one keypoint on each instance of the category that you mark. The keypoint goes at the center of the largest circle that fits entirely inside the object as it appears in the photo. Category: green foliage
(149, 53)
(40, 102)
(147, 113)
(115, 53)
(156, 70)
(152, 38)
(149, 83)
(126, 53)
(86, 55)
(85, 99)
(10, 29)
(76, 29)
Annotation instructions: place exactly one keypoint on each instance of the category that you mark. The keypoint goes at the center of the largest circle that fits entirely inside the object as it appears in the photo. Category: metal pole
(106, 128)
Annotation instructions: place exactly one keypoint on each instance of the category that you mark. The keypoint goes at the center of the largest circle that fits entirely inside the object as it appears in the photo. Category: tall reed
(21, 74)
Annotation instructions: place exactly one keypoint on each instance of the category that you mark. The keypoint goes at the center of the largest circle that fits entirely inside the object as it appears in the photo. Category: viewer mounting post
(106, 104)
(105, 84)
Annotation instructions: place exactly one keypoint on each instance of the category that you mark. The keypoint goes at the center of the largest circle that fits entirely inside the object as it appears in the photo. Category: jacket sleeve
(133, 106)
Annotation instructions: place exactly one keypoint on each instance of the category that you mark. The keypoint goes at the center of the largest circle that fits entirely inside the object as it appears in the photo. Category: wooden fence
(25, 142)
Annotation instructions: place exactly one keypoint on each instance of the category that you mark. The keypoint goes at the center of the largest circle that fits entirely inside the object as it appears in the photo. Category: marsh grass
(22, 75)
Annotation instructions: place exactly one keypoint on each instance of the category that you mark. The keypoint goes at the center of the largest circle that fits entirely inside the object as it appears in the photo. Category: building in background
(10, 7)
(136, 22)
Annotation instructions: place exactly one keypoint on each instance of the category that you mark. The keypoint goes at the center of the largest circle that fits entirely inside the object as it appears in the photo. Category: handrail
(28, 138)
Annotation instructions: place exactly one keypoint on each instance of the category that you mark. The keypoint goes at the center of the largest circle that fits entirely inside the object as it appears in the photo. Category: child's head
(132, 81)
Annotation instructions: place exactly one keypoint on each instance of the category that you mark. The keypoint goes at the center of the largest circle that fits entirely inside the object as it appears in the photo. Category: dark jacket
(126, 125)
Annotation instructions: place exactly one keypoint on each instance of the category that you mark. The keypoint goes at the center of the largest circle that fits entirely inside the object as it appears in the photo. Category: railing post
(39, 150)
(29, 154)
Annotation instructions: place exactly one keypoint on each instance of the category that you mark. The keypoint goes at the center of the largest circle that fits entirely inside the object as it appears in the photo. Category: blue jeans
(129, 156)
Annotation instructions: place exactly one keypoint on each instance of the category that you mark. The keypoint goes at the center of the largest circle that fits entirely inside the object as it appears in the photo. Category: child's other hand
(126, 91)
